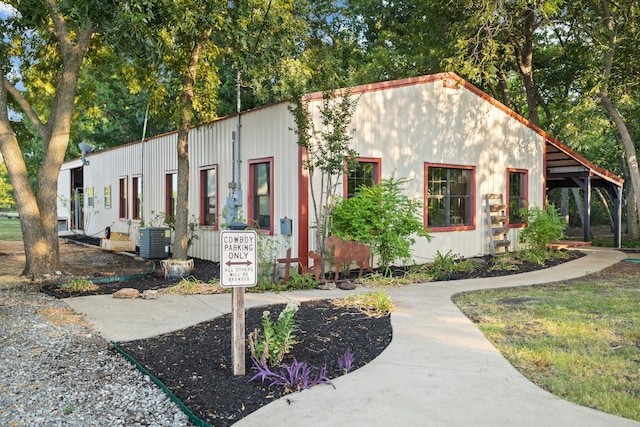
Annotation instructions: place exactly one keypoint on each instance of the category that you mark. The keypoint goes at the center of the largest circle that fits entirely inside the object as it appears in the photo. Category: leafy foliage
(544, 227)
(276, 338)
(384, 218)
(80, 285)
(293, 377)
(346, 361)
(7, 202)
(444, 265)
(373, 304)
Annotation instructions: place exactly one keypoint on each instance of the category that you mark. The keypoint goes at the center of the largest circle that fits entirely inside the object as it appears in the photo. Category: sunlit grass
(580, 341)
(10, 229)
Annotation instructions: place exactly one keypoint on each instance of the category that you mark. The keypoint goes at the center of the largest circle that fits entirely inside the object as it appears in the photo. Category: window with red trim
(122, 196)
(171, 196)
(367, 173)
(136, 187)
(450, 192)
(517, 199)
(209, 196)
(261, 194)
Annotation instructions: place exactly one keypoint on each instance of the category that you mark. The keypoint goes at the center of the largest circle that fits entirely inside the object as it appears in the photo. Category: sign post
(238, 269)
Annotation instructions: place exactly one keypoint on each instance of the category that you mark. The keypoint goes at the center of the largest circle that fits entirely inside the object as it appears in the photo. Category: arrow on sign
(229, 263)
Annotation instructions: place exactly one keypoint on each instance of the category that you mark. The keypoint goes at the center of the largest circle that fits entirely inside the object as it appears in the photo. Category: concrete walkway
(439, 370)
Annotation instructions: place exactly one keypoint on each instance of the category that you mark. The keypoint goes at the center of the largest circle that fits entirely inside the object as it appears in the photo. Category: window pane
(436, 216)
(261, 195)
(209, 188)
(172, 195)
(262, 179)
(516, 197)
(211, 183)
(437, 182)
(365, 174)
(449, 193)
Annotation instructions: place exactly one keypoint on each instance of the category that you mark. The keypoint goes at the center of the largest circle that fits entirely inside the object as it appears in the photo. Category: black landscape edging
(193, 418)
(101, 280)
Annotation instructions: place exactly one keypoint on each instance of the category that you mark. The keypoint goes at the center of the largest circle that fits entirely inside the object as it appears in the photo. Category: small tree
(383, 217)
(328, 154)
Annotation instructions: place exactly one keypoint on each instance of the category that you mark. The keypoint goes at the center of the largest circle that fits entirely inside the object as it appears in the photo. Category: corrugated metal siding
(264, 133)
(404, 126)
(412, 125)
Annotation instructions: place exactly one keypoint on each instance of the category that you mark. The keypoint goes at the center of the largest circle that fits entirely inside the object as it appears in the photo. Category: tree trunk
(605, 205)
(565, 204)
(616, 116)
(41, 251)
(633, 227)
(579, 205)
(38, 211)
(524, 60)
(181, 242)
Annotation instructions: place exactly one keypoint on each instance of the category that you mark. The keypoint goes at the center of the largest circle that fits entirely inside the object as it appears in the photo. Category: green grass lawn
(579, 340)
(10, 229)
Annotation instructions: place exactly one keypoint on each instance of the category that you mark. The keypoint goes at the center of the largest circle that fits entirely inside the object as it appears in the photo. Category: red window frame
(525, 195)
(253, 202)
(123, 208)
(377, 172)
(136, 188)
(205, 198)
(170, 198)
(472, 198)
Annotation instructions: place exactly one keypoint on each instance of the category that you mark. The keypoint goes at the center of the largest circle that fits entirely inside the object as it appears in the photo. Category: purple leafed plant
(294, 377)
(346, 362)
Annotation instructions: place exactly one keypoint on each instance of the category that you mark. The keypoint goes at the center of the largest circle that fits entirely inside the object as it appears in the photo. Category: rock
(127, 293)
(327, 286)
(150, 294)
(347, 286)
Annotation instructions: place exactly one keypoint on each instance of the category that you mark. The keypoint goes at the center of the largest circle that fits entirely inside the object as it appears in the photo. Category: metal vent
(154, 242)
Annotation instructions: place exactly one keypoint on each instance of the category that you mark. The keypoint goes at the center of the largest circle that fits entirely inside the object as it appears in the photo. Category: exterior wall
(411, 125)
(264, 133)
(404, 125)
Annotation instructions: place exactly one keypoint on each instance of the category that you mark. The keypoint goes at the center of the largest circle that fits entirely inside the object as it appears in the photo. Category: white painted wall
(410, 125)
(405, 126)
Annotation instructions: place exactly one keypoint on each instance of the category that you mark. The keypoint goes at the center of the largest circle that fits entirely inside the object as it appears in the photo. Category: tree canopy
(87, 70)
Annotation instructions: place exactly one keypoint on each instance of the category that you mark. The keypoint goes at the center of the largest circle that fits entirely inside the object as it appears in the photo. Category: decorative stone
(327, 286)
(150, 294)
(127, 293)
(347, 286)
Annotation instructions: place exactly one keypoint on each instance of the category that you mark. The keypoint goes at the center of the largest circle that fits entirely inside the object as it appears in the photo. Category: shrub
(276, 339)
(444, 265)
(374, 304)
(301, 281)
(80, 285)
(382, 217)
(544, 227)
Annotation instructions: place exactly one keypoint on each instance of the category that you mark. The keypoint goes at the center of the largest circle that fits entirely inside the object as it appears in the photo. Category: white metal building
(454, 142)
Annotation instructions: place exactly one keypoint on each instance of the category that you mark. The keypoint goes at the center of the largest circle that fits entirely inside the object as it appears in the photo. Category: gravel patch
(55, 371)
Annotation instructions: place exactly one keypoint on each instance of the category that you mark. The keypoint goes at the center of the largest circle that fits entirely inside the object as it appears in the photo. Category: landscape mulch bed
(195, 363)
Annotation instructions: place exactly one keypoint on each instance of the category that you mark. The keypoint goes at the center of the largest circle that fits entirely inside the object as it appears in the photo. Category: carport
(565, 168)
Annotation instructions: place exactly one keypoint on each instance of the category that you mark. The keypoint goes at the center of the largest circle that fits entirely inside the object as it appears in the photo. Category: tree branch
(26, 107)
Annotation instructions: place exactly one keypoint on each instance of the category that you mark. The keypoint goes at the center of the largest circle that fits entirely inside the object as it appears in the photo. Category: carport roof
(562, 165)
